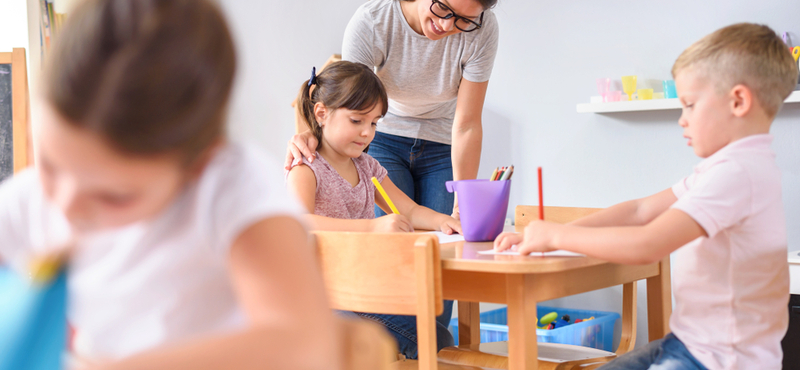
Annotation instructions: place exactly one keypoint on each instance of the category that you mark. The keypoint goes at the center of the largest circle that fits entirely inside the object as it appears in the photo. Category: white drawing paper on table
(514, 252)
(444, 238)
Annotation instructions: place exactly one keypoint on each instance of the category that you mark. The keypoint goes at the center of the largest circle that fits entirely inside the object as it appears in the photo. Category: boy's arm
(631, 213)
(421, 217)
(621, 244)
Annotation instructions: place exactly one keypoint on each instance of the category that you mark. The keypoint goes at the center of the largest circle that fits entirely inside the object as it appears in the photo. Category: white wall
(13, 25)
(550, 54)
(279, 42)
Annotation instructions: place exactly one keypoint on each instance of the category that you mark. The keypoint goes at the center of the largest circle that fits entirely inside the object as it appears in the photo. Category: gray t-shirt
(421, 76)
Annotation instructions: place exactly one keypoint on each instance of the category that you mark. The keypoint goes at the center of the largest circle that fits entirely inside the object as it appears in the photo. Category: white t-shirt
(732, 288)
(421, 76)
(159, 281)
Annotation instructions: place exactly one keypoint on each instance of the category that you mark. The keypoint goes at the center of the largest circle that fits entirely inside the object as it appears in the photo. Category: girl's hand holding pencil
(392, 223)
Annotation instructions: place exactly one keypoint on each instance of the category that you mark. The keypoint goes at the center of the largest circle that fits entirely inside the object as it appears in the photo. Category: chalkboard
(6, 133)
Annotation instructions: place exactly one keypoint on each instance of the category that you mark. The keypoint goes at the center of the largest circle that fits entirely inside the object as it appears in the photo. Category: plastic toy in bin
(595, 328)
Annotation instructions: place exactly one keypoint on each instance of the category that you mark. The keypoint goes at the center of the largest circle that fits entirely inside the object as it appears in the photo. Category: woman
(435, 58)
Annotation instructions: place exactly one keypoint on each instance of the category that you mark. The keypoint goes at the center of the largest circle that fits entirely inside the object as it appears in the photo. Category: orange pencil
(541, 198)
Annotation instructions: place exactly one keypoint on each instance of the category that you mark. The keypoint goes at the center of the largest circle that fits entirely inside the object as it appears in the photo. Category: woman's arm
(302, 144)
(280, 288)
(421, 217)
(468, 129)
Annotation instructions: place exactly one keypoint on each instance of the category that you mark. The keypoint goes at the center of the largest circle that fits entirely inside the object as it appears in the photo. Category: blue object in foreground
(33, 325)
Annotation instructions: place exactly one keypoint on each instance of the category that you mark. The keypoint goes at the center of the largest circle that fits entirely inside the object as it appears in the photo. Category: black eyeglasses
(464, 24)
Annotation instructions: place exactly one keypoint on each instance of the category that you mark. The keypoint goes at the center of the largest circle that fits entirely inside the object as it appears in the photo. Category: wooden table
(522, 281)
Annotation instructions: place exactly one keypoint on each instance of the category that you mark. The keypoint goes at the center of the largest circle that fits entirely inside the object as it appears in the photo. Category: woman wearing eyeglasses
(434, 58)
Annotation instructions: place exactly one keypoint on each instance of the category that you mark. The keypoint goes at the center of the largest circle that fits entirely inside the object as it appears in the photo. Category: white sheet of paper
(444, 238)
(535, 254)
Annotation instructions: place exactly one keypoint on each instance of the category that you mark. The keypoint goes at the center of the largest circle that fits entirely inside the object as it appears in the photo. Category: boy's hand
(392, 223)
(505, 241)
(450, 225)
(537, 237)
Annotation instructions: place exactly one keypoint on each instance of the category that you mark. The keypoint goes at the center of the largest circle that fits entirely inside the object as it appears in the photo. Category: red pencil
(541, 198)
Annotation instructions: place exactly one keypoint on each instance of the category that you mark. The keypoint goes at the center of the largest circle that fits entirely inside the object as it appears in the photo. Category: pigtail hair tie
(313, 79)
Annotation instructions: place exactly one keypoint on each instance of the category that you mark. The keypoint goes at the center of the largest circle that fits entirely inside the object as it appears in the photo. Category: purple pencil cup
(482, 205)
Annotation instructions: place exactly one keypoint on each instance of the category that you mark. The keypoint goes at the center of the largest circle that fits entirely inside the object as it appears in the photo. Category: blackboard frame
(20, 108)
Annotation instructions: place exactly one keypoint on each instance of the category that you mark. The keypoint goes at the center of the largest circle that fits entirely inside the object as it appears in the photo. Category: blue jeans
(419, 168)
(667, 353)
(404, 329)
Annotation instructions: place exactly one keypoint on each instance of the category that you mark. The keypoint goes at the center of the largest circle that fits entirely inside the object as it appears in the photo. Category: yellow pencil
(494, 173)
(385, 196)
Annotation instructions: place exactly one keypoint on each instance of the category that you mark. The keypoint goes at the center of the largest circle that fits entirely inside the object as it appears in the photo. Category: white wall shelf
(647, 105)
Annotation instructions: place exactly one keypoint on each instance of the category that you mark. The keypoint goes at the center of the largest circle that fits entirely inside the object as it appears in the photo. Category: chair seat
(441, 365)
(551, 355)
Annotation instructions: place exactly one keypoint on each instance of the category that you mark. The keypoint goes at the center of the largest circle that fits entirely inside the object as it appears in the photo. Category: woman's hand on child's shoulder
(300, 145)
(450, 225)
(392, 223)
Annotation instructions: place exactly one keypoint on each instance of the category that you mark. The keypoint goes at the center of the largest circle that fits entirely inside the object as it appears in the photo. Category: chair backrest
(386, 273)
(20, 110)
(523, 215)
(366, 345)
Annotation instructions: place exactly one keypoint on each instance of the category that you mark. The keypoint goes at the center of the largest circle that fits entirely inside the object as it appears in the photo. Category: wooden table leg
(628, 337)
(659, 302)
(522, 349)
(469, 329)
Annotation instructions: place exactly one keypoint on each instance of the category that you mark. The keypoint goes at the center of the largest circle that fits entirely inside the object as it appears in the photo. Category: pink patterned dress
(335, 196)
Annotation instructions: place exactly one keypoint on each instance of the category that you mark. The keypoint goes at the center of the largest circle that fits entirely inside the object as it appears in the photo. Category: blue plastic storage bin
(597, 333)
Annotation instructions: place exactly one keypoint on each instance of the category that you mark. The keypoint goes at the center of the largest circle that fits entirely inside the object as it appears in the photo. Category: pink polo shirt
(732, 288)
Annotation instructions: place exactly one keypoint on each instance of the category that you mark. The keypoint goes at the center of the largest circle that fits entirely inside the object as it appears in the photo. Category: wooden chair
(365, 345)
(496, 354)
(387, 273)
(20, 108)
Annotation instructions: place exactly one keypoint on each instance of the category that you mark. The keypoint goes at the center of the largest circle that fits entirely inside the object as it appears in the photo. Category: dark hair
(150, 76)
(487, 4)
(341, 84)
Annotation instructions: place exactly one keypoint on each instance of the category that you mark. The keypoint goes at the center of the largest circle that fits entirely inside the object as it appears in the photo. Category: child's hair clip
(313, 79)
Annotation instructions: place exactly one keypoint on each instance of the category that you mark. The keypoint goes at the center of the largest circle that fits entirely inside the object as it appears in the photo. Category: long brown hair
(341, 84)
(150, 76)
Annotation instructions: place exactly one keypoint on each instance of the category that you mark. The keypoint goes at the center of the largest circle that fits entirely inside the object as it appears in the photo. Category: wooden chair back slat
(523, 215)
(380, 272)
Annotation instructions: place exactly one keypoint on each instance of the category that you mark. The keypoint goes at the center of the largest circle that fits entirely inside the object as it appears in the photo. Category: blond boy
(725, 221)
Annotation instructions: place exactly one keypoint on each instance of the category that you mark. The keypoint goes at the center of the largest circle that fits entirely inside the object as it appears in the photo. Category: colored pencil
(507, 174)
(385, 196)
(541, 198)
